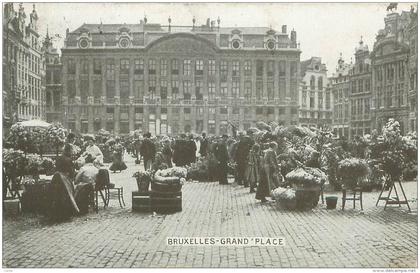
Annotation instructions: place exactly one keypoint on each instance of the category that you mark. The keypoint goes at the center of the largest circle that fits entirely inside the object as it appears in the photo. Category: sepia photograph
(210, 135)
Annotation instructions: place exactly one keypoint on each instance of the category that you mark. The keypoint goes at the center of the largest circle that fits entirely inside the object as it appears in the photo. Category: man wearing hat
(222, 156)
(148, 151)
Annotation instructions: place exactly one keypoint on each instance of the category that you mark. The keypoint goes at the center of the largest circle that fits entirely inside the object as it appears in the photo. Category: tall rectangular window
(110, 89)
(212, 89)
(235, 69)
(199, 90)
(174, 67)
(175, 88)
(186, 85)
(248, 68)
(223, 89)
(320, 100)
(97, 66)
(71, 66)
(110, 67)
(152, 67)
(270, 68)
(152, 88)
(84, 67)
(260, 68)
(163, 89)
(235, 89)
(248, 89)
(71, 88)
(139, 66)
(223, 70)
(282, 69)
(97, 88)
(259, 90)
(124, 66)
(124, 89)
(212, 67)
(186, 67)
(199, 67)
(270, 90)
(293, 69)
(138, 89)
(163, 67)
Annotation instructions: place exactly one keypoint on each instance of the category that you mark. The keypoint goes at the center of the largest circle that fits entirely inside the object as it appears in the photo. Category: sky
(323, 29)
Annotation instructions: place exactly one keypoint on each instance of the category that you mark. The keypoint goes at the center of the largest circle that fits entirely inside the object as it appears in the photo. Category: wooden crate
(166, 202)
(11, 207)
(141, 201)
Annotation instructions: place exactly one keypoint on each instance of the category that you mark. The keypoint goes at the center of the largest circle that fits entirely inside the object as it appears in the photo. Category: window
(138, 66)
(71, 66)
(152, 67)
(138, 89)
(401, 69)
(312, 82)
(175, 88)
(152, 87)
(84, 67)
(174, 67)
(360, 83)
(223, 70)
(110, 89)
(97, 88)
(270, 111)
(293, 69)
(320, 83)
(312, 100)
(163, 67)
(223, 89)
(235, 89)
(270, 68)
(199, 67)
(110, 110)
(124, 89)
(248, 68)
(138, 110)
(187, 67)
(163, 89)
(124, 66)
(367, 85)
(212, 67)
(304, 98)
(186, 89)
(71, 88)
(198, 90)
(235, 68)
(260, 68)
(211, 89)
(270, 90)
(97, 67)
(223, 110)
(248, 89)
(187, 110)
(110, 67)
(259, 111)
(259, 90)
(235, 111)
(320, 100)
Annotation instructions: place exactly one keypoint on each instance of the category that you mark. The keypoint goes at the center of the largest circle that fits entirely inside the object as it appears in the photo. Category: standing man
(222, 156)
(204, 145)
(241, 158)
(147, 151)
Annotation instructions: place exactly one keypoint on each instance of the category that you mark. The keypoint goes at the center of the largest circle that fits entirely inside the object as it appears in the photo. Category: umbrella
(35, 123)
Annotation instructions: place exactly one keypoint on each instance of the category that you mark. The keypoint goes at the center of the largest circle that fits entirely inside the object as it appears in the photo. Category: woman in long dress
(270, 179)
(117, 157)
(254, 167)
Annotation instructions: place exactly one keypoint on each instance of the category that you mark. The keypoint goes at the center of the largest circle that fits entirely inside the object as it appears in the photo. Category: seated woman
(85, 184)
(63, 204)
(64, 163)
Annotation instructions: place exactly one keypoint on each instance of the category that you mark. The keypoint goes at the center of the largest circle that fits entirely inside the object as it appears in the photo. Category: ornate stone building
(412, 70)
(172, 79)
(340, 87)
(53, 81)
(23, 67)
(391, 75)
(361, 92)
(315, 107)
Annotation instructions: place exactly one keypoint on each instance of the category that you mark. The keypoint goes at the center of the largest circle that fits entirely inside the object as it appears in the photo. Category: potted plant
(351, 170)
(143, 178)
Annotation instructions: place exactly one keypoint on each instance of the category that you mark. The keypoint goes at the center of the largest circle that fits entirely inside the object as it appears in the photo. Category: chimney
(284, 29)
(293, 36)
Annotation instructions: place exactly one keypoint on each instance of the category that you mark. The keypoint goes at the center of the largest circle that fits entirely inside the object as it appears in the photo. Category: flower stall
(351, 171)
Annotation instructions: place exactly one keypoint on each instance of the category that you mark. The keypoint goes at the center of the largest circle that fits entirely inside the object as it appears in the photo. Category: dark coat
(147, 149)
(65, 165)
(203, 147)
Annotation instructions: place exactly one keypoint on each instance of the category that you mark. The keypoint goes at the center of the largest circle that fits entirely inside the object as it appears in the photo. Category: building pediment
(182, 44)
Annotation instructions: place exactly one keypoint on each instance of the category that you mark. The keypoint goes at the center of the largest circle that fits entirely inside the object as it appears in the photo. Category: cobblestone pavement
(117, 237)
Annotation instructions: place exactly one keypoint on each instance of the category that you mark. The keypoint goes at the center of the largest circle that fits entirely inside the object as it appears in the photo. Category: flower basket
(143, 180)
(351, 170)
(285, 197)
